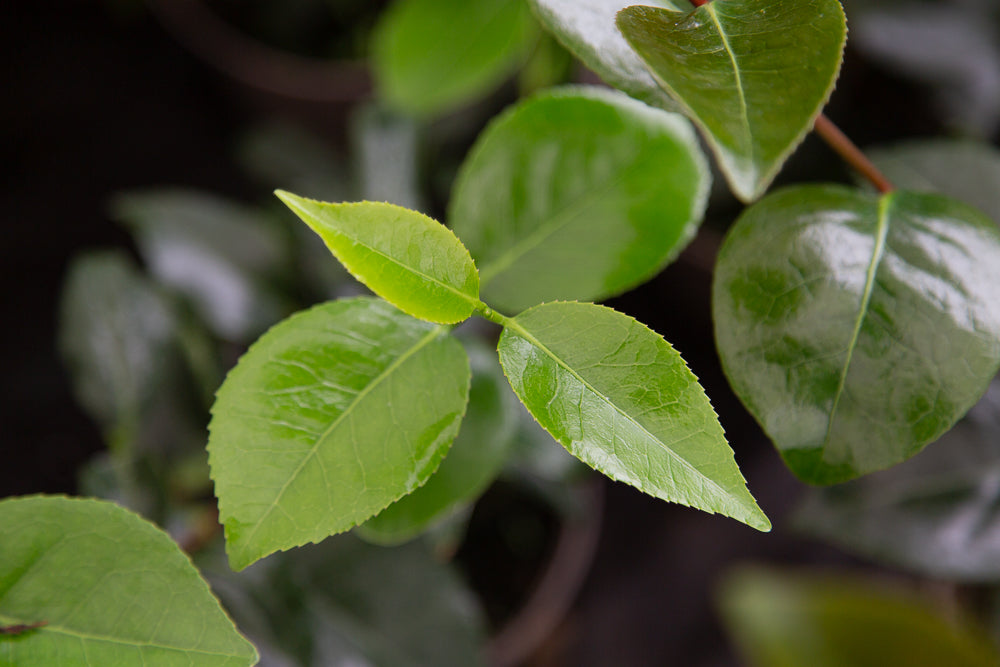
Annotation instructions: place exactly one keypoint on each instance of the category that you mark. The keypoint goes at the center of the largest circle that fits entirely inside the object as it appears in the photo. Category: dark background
(99, 100)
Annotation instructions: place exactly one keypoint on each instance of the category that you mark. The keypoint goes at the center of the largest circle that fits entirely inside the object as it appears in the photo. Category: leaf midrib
(744, 114)
(878, 252)
(513, 324)
(389, 370)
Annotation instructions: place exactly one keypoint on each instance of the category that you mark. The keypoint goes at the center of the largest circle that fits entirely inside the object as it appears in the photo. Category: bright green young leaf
(587, 29)
(116, 333)
(412, 261)
(752, 74)
(431, 56)
(857, 328)
(331, 416)
(110, 589)
(474, 460)
(622, 400)
(578, 193)
(937, 514)
(833, 621)
(964, 170)
(219, 254)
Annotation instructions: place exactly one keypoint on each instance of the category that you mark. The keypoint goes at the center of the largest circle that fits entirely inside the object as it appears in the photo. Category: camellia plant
(857, 326)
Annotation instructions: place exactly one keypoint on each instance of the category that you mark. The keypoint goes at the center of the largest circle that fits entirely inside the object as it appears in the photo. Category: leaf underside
(857, 328)
(622, 400)
(331, 416)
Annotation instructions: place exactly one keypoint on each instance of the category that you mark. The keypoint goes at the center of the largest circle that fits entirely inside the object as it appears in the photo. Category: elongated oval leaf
(587, 29)
(794, 620)
(430, 56)
(475, 458)
(579, 193)
(752, 74)
(412, 261)
(857, 329)
(109, 588)
(622, 400)
(331, 416)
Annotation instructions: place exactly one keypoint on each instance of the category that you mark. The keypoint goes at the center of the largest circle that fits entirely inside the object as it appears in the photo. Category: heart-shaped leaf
(857, 328)
(430, 56)
(783, 620)
(578, 193)
(475, 458)
(587, 29)
(622, 400)
(331, 416)
(85, 582)
(752, 74)
(408, 259)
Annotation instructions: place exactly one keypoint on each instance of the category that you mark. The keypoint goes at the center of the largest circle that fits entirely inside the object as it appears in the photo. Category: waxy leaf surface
(857, 328)
(587, 29)
(410, 260)
(331, 416)
(622, 400)
(752, 74)
(111, 589)
(578, 193)
(430, 56)
(793, 620)
(474, 460)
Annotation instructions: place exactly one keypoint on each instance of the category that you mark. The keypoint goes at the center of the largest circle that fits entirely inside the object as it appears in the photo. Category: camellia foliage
(856, 326)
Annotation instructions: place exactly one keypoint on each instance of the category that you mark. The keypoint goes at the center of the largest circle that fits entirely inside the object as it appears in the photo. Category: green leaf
(622, 400)
(111, 589)
(431, 56)
(578, 193)
(116, 333)
(937, 514)
(827, 621)
(587, 29)
(474, 460)
(219, 254)
(412, 261)
(857, 328)
(331, 416)
(965, 170)
(752, 74)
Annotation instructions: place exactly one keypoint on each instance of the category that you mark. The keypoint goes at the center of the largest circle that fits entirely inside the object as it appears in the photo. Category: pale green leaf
(622, 400)
(587, 29)
(857, 328)
(578, 193)
(111, 588)
(412, 261)
(431, 56)
(752, 74)
(834, 621)
(474, 460)
(331, 416)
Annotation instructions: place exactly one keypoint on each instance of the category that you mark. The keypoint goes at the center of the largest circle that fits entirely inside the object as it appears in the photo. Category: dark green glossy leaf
(937, 514)
(831, 621)
(578, 193)
(219, 254)
(331, 416)
(116, 334)
(474, 460)
(110, 588)
(622, 400)
(431, 56)
(964, 170)
(857, 328)
(412, 261)
(587, 29)
(752, 74)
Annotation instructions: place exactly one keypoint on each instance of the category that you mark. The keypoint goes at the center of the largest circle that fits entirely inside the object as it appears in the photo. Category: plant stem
(491, 315)
(851, 154)
(842, 145)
